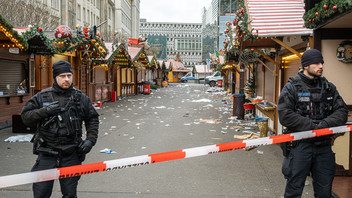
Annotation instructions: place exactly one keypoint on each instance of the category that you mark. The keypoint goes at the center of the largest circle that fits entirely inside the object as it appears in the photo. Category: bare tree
(21, 13)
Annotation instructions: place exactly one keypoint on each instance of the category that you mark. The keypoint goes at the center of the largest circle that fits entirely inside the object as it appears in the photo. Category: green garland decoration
(120, 50)
(36, 33)
(14, 33)
(325, 10)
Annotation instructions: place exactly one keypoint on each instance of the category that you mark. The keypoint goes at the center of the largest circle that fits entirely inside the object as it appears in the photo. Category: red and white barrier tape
(51, 174)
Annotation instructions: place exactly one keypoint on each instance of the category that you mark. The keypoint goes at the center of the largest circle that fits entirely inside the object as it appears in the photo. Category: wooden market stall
(141, 63)
(16, 73)
(153, 70)
(177, 70)
(254, 38)
(123, 71)
(41, 50)
(86, 56)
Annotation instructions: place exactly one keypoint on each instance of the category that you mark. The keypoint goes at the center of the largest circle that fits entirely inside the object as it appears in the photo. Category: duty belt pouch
(67, 149)
(285, 148)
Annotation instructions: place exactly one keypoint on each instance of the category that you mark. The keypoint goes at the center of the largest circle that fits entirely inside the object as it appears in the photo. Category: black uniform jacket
(295, 122)
(33, 113)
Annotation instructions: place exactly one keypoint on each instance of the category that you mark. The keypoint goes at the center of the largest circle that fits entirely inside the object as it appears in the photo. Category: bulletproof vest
(64, 128)
(315, 103)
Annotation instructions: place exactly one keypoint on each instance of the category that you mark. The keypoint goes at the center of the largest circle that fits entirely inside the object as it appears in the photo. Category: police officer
(308, 101)
(58, 112)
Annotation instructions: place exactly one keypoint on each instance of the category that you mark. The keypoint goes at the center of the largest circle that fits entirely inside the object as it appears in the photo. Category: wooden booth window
(13, 77)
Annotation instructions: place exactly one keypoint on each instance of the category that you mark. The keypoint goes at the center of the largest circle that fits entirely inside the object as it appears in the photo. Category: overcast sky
(186, 11)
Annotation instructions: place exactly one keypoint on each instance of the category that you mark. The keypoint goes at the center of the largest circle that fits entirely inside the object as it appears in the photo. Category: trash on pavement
(202, 100)
(19, 138)
(210, 121)
(107, 151)
(244, 137)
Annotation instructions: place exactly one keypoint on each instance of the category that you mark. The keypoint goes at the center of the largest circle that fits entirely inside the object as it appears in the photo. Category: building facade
(214, 18)
(183, 40)
(115, 16)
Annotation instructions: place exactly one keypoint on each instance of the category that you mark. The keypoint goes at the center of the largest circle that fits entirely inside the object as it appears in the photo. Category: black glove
(322, 124)
(53, 109)
(85, 146)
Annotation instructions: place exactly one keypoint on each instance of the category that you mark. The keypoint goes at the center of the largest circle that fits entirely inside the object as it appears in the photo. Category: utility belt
(41, 147)
(287, 146)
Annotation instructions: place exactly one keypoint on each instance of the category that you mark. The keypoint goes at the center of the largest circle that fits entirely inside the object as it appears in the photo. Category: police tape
(71, 171)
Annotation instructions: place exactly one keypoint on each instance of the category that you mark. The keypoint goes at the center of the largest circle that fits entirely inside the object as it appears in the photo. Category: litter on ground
(244, 137)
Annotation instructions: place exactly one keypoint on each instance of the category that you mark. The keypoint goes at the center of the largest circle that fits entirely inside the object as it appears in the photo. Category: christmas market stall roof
(329, 15)
(153, 62)
(118, 55)
(178, 66)
(139, 57)
(168, 66)
(260, 22)
(38, 42)
(162, 64)
(272, 18)
(10, 38)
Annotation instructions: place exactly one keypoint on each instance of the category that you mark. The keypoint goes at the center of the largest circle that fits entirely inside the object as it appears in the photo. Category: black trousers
(68, 185)
(309, 158)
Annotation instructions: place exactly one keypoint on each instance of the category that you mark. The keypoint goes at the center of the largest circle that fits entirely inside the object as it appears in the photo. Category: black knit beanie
(311, 56)
(61, 67)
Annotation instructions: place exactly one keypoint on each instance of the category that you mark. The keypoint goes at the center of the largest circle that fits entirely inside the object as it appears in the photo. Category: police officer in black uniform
(58, 112)
(308, 101)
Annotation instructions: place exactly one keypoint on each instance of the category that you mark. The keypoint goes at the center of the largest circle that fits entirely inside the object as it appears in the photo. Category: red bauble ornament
(310, 20)
(63, 31)
(244, 33)
(325, 7)
(335, 8)
(313, 20)
(317, 13)
(252, 50)
(40, 29)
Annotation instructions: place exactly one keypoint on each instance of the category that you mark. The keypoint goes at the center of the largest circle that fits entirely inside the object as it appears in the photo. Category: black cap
(311, 56)
(61, 67)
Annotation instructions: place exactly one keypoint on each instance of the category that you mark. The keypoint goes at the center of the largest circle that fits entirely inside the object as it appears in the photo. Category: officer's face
(314, 70)
(64, 80)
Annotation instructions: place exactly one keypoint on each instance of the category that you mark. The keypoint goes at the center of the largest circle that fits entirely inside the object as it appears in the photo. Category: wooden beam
(287, 47)
(265, 56)
(264, 65)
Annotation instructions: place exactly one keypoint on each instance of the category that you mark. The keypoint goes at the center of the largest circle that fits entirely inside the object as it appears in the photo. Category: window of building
(84, 15)
(88, 16)
(55, 4)
(78, 12)
(109, 13)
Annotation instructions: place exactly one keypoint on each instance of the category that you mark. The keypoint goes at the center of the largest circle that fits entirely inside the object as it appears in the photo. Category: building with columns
(183, 40)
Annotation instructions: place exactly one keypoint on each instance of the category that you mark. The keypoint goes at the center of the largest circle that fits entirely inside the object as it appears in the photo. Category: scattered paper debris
(209, 121)
(244, 137)
(202, 100)
(107, 151)
(20, 138)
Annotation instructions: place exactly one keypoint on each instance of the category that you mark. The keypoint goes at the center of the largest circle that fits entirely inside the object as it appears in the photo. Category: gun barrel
(101, 23)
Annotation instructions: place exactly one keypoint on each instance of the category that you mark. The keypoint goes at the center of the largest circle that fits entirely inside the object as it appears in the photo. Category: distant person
(309, 101)
(58, 112)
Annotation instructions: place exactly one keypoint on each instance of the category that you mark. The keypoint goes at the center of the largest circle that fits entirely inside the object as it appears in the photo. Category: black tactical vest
(64, 128)
(314, 103)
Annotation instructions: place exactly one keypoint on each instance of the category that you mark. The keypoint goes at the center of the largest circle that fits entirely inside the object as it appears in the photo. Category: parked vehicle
(188, 76)
(213, 79)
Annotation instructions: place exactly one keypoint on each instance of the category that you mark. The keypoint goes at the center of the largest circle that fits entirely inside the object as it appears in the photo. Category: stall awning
(276, 18)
